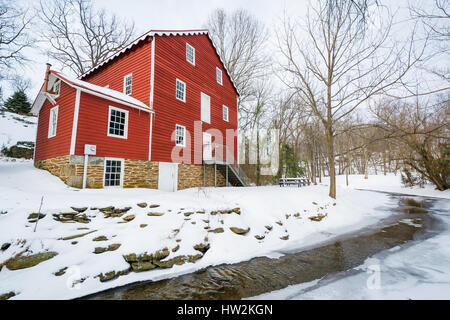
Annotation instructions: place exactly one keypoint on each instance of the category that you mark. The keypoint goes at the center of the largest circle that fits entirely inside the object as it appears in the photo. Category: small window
(190, 53)
(180, 138)
(57, 88)
(181, 90)
(219, 75)
(225, 113)
(118, 123)
(53, 122)
(128, 84)
(113, 172)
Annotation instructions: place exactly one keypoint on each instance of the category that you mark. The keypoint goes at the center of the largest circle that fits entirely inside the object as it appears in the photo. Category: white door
(207, 146)
(168, 176)
(205, 108)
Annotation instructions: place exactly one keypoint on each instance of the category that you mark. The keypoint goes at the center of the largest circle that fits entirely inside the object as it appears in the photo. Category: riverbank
(171, 234)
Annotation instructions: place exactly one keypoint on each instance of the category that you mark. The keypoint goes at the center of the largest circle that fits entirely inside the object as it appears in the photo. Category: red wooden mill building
(161, 113)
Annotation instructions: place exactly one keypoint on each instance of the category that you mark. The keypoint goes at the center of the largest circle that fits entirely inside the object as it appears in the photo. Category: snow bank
(418, 270)
(14, 128)
(285, 211)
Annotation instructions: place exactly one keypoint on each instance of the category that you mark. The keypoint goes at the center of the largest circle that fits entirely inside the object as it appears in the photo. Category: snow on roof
(90, 88)
(152, 33)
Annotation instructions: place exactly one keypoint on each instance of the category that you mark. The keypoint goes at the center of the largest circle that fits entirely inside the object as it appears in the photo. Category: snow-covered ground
(14, 128)
(22, 186)
(418, 270)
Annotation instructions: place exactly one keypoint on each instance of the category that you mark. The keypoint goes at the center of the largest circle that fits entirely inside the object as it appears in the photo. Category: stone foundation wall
(190, 176)
(137, 173)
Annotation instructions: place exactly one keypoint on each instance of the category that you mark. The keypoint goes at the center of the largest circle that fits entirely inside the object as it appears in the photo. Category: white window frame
(122, 171)
(125, 84)
(53, 127)
(176, 90)
(57, 93)
(218, 70)
(125, 136)
(193, 54)
(184, 135)
(224, 107)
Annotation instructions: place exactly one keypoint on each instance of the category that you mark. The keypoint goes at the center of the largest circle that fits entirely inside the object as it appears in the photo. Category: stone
(142, 266)
(202, 247)
(236, 210)
(217, 230)
(259, 237)
(114, 246)
(110, 208)
(161, 254)
(314, 203)
(297, 215)
(6, 296)
(213, 213)
(194, 258)
(132, 257)
(100, 238)
(129, 217)
(35, 216)
(74, 242)
(279, 223)
(80, 210)
(176, 248)
(318, 218)
(142, 204)
(60, 272)
(269, 228)
(155, 214)
(286, 237)
(82, 228)
(201, 212)
(29, 261)
(178, 240)
(143, 225)
(5, 246)
(153, 206)
(169, 263)
(187, 214)
(193, 222)
(99, 250)
(239, 231)
(108, 276)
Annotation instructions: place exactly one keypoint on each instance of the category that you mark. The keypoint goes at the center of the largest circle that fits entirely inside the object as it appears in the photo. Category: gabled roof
(152, 33)
(89, 88)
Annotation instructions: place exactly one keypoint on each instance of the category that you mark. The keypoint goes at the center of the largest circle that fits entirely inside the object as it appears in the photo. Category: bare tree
(343, 60)
(240, 39)
(14, 36)
(79, 36)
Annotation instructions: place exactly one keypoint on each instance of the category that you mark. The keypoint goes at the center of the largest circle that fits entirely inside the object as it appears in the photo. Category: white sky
(175, 14)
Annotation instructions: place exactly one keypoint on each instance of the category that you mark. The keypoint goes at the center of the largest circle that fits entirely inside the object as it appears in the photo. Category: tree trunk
(366, 164)
(330, 155)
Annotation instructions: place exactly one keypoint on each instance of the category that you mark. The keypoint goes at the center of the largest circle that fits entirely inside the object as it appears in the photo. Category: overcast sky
(177, 14)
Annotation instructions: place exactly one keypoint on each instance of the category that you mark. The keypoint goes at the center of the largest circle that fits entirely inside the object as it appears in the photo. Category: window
(57, 88)
(190, 53)
(118, 123)
(181, 90)
(225, 113)
(128, 84)
(113, 172)
(180, 138)
(205, 112)
(53, 122)
(219, 75)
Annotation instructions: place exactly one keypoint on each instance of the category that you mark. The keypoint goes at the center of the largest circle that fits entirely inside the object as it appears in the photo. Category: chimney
(47, 73)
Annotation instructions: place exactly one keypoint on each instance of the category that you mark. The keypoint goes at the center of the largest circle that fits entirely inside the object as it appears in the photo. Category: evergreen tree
(18, 103)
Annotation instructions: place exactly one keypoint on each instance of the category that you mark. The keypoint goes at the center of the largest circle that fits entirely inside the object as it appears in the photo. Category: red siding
(60, 144)
(135, 61)
(170, 64)
(93, 127)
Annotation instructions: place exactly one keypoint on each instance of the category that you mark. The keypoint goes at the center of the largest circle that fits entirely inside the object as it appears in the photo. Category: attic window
(57, 88)
(127, 84)
(190, 54)
(219, 75)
